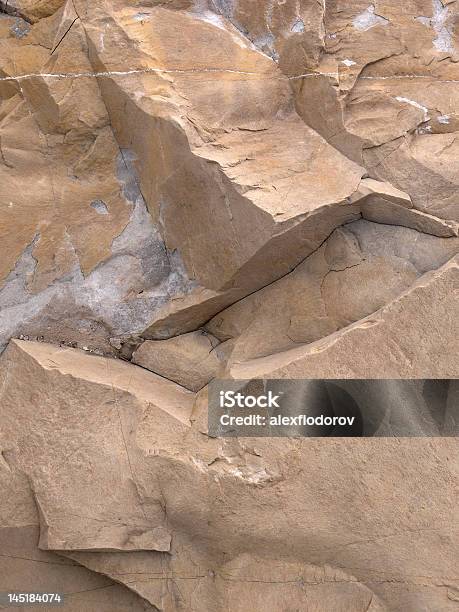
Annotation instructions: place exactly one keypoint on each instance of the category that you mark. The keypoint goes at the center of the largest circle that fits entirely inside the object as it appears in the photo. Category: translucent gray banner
(333, 408)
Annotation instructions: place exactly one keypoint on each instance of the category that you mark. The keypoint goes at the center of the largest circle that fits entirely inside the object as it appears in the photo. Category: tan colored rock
(399, 341)
(167, 167)
(20, 556)
(383, 203)
(191, 360)
(383, 211)
(96, 456)
(31, 10)
(66, 229)
(262, 190)
(388, 89)
(429, 174)
(250, 173)
(291, 33)
(81, 261)
(221, 497)
(11, 27)
(244, 581)
(358, 270)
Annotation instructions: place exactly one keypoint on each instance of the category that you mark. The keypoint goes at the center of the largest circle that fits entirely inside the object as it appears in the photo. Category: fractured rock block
(255, 188)
(358, 270)
(191, 360)
(84, 423)
(31, 10)
(401, 340)
(20, 556)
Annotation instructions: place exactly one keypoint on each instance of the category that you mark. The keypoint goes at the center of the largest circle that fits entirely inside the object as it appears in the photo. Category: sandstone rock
(358, 270)
(84, 262)
(19, 534)
(97, 457)
(244, 581)
(248, 186)
(347, 544)
(388, 89)
(398, 341)
(237, 188)
(191, 360)
(383, 211)
(31, 10)
(289, 33)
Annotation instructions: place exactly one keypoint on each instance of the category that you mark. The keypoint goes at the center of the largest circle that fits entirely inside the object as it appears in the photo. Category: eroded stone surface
(20, 556)
(282, 175)
(398, 341)
(84, 262)
(210, 561)
(191, 360)
(98, 455)
(358, 270)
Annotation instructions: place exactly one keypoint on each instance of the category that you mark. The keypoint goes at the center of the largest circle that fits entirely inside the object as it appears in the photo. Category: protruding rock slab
(218, 499)
(31, 10)
(414, 336)
(241, 186)
(24, 567)
(81, 413)
(81, 260)
(360, 268)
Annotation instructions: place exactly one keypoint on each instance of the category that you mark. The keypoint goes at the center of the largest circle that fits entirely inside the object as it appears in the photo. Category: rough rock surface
(191, 360)
(20, 556)
(398, 341)
(238, 188)
(337, 543)
(359, 269)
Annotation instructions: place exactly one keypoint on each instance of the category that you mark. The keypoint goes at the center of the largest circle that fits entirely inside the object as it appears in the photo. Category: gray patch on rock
(444, 40)
(298, 26)
(225, 8)
(423, 251)
(100, 207)
(116, 299)
(438, 22)
(141, 16)
(426, 21)
(10, 7)
(263, 43)
(20, 28)
(126, 174)
(368, 19)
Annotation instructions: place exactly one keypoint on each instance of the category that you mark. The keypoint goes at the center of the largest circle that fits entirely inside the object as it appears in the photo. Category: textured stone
(31, 10)
(348, 544)
(239, 189)
(85, 262)
(20, 556)
(358, 270)
(248, 186)
(399, 341)
(388, 87)
(98, 456)
(191, 360)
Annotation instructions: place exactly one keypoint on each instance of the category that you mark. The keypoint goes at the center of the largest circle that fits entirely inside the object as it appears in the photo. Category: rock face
(239, 189)
(191, 360)
(397, 341)
(169, 505)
